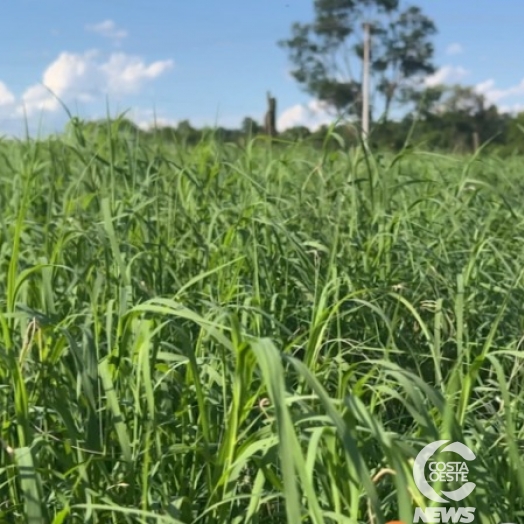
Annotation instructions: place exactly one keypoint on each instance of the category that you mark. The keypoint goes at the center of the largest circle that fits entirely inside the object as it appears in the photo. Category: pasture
(217, 334)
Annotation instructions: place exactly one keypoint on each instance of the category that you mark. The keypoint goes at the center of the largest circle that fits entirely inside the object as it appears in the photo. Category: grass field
(256, 335)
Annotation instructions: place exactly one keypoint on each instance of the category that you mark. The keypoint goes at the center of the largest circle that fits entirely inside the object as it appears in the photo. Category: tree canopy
(327, 53)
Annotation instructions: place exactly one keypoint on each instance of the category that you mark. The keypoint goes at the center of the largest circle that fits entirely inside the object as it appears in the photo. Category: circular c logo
(420, 463)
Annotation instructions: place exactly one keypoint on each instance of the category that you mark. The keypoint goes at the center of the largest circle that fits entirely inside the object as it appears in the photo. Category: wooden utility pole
(365, 83)
(270, 118)
(476, 141)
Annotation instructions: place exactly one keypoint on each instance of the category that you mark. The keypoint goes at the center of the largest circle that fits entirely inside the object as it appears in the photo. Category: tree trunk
(475, 141)
(270, 118)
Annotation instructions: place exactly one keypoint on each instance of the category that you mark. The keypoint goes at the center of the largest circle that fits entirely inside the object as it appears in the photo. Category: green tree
(295, 133)
(467, 111)
(514, 136)
(187, 133)
(426, 100)
(327, 53)
(456, 118)
(250, 126)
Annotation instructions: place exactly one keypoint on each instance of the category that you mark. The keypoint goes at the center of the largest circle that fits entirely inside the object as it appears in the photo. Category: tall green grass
(259, 335)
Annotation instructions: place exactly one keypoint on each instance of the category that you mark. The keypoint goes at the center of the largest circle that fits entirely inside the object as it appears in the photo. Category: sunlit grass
(257, 335)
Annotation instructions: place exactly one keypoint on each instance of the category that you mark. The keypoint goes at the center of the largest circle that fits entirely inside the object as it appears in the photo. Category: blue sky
(212, 61)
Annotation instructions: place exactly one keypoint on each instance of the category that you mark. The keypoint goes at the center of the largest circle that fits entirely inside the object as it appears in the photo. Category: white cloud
(313, 115)
(446, 75)
(147, 119)
(513, 108)
(126, 74)
(494, 95)
(84, 77)
(37, 98)
(485, 86)
(157, 122)
(454, 49)
(108, 29)
(6, 97)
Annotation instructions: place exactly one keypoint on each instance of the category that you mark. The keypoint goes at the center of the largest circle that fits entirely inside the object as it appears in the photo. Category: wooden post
(365, 84)
(476, 141)
(270, 118)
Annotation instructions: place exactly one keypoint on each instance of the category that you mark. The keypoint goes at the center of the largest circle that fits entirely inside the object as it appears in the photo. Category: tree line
(327, 56)
(449, 130)
(452, 127)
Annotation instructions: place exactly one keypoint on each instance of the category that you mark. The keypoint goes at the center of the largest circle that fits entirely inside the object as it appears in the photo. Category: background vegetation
(442, 129)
